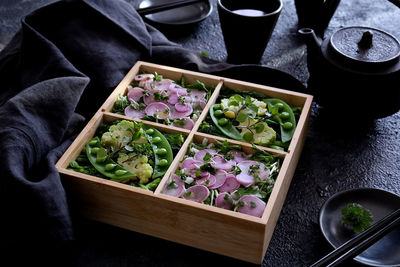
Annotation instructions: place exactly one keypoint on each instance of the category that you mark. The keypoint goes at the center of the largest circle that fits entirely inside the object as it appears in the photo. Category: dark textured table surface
(335, 157)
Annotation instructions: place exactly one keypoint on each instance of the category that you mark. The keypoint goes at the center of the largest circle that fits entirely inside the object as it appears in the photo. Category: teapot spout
(312, 41)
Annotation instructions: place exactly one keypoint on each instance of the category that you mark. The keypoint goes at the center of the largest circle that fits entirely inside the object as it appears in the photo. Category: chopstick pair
(166, 6)
(361, 242)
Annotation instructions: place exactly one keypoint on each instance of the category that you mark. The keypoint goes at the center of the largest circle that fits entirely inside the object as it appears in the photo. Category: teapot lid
(366, 46)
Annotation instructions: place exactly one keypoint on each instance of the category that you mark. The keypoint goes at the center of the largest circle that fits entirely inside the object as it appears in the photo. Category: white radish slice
(197, 193)
(144, 77)
(174, 114)
(160, 109)
(188, 124)
(134, 113)
(191, 164)
(207, 181)
(197, 94)
(219, 162)
(230, 185)
(238, 156)
(251, 205)
(224, 200)
(220, 178)
(201, 153)
(175, 186)
(135, 94)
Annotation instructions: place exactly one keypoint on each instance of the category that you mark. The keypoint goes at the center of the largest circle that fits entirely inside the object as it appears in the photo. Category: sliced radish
(188, 123)
(238, 156)
(245, 179)
(175, 186)
(160, 109)
(197, 94)
(135, 94)
(173, 98)
(199, 104)
(220, 178)
(149, 99)
(134, 113)
(224, 200)
(230, 185)
(141, 77)
(207, 181)
(219, 162)
(191, 164)
(174, 114)
(245, 167)
(197, 193)
(201, 153)
(251, 205)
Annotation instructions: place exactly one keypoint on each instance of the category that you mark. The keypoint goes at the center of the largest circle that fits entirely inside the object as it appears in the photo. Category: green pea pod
(286, 134)
(153, 185)
(116, 173)
(227, 129)
(162, 160)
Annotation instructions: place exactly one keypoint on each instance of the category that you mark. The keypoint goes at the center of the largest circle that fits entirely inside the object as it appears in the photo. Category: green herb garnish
(357, 217)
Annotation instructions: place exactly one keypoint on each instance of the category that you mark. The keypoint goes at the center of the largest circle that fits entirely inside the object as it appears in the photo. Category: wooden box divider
(198, 225)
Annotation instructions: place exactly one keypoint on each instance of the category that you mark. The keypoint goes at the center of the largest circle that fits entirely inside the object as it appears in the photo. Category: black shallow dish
(386, 252)
(177, 16)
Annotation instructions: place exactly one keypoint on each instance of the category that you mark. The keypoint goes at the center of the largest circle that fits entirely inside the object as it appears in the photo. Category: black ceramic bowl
(386, 252)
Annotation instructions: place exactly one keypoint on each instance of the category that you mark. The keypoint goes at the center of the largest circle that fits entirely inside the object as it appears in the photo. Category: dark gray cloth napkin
(55, 73)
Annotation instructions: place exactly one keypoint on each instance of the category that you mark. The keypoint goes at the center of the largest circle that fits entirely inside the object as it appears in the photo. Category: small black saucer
(177, 16)
(386, 252)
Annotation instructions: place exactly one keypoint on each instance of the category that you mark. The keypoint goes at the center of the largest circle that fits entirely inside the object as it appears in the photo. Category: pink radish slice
(191, 164)
(238, 156)
(174, 114)
(197, 94)
(219, 162)
(173, 98)
(245, 179)
(207, 181)
(199, 105)
(134, 113)
(251, 205)
(220, 178)
(175, 187)
(201, 153)
(262, 172)
(221, 202)
(197, 193)
(230, 185)
(183, 107)
(149, 99)
(188, 124)
(160, 109)
(135, 94)
(144, 77)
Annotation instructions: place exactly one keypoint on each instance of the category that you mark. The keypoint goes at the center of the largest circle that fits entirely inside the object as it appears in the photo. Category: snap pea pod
(285, 117)
(152, 185)
(97, 156)
(227, 128)
(162, 150)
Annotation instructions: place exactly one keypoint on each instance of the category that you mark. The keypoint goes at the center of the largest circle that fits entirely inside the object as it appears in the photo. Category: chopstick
(362, 241)
(166, 6)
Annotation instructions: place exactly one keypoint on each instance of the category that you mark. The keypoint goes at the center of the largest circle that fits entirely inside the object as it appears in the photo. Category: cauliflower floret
(120, 134)
(138, 166)
(267, 136)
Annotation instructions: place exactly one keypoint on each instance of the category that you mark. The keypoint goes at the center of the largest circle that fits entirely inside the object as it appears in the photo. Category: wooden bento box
(210, 228)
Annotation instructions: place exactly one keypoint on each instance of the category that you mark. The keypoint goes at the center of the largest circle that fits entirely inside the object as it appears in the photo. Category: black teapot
(356, 71)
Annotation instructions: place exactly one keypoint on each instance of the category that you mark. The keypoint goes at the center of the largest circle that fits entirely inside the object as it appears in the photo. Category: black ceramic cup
(247, 26)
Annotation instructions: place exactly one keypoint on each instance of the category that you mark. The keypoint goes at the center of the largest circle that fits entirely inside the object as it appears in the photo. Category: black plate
(386, 252)
(177, 16)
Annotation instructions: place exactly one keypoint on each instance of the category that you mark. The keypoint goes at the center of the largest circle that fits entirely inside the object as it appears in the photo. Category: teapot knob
(366, 40)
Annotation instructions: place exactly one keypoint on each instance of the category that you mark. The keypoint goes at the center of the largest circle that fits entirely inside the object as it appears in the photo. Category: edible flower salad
(128, 152)
(151, 97)
(222, 175)
(252, 117)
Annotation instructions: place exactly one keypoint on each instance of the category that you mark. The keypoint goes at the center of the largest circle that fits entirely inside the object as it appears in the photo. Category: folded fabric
(54, 74)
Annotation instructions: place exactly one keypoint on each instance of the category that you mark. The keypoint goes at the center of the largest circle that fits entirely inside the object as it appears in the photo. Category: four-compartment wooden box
(198, 225)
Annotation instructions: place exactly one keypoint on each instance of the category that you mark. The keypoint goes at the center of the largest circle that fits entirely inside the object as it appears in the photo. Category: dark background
(337, 155)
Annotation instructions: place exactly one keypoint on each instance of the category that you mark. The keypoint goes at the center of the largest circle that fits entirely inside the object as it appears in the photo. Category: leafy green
(357, 217)
(224, 147)
(175, 140)
(120, 104)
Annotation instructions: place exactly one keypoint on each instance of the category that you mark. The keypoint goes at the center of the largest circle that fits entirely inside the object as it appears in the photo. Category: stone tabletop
(335, 157)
